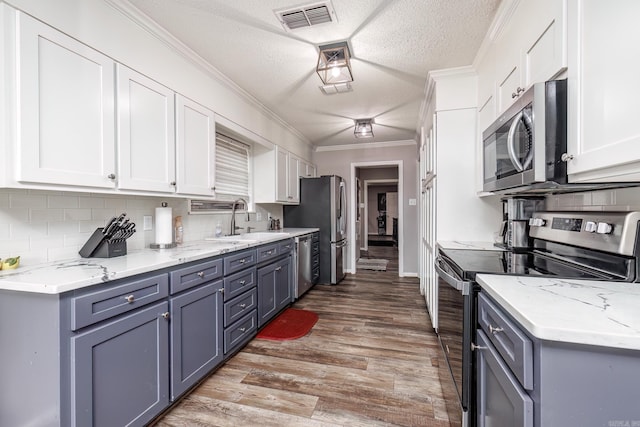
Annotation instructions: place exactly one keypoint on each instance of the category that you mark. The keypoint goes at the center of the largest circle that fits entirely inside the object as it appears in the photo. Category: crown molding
(153, 28)
(366, 145)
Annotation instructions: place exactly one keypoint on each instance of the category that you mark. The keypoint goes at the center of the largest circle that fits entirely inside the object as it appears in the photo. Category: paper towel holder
(163, 245)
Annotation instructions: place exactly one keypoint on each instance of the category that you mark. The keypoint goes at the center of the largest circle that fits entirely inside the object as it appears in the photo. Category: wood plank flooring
(371, 360)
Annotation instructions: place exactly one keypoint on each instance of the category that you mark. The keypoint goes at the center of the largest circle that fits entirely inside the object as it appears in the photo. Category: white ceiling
(394, 43)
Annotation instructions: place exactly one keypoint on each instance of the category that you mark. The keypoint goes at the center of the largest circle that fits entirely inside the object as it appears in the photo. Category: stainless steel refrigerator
(323, 204)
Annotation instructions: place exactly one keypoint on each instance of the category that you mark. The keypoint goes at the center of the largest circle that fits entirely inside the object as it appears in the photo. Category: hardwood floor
(371, 360)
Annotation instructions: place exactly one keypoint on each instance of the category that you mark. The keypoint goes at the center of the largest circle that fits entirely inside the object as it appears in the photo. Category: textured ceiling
(394, 44)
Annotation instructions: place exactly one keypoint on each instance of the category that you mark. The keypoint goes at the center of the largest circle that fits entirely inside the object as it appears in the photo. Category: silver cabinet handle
(165, 315)
(130, 298)
(243, 306)
(242, 282)
(200, 274)
(221, 290)
(278, 268)
(566, 157)
(517, 93)
(172, 183)
(495, 330)
(111, 176)
(242, 329)
(242, 261)
(477, 347)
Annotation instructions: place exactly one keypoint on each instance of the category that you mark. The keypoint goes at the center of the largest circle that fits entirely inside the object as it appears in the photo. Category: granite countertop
(574, 311)
(456, 244)
(62, 276)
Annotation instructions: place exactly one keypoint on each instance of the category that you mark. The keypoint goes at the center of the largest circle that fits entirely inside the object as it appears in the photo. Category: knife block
(99, 247)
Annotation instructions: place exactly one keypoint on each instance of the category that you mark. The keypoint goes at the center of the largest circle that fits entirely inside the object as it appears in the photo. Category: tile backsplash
(622, 199)
(45, 226)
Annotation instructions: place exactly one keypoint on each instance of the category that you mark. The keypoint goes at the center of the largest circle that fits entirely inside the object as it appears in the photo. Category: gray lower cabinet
(120, 374)
(525, 381)
(274, 289)
(501, 400)
(240, 301)
(196, 335)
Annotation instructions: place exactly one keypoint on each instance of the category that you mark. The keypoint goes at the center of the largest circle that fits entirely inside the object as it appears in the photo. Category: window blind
(232, 168)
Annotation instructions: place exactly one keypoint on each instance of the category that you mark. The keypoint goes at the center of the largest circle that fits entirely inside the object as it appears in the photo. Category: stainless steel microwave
(526, 144)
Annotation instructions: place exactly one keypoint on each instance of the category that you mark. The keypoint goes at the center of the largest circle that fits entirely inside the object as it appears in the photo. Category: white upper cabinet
(604, 106)
(146, 137)
(195, 148)
(277, 175)
(282, 176)
(293, 179)
(531, 48)
(66, 111)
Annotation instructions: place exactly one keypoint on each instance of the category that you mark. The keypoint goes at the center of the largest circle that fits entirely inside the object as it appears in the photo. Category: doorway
(376, 217)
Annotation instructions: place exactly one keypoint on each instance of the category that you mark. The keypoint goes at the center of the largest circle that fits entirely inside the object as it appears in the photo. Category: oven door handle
(461, 285)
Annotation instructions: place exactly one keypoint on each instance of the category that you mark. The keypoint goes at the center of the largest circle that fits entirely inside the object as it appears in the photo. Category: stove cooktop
(467, 263)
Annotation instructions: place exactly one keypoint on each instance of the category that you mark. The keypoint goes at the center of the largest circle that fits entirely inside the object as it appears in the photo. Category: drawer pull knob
(242, 282)
(242, 261)
(165, 315)
(477, 347)
(495, 330)
(243, 306)
(111, 176)
(278, 268)
(200, 274)
(130, 298)
(242, 329)
(221, 290)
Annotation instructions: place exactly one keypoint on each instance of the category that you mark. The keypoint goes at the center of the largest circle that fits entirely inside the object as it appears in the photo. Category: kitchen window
(232, 168)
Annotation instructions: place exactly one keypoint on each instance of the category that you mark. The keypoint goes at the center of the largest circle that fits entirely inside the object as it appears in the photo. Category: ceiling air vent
(306, 16)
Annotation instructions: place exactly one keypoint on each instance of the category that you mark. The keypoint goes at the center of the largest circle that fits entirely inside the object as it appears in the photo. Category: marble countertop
(71, 274)
(456, 244)
(574, 311)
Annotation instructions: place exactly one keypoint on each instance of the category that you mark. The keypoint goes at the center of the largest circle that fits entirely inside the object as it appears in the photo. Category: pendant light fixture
(364, 128)
(334, 63)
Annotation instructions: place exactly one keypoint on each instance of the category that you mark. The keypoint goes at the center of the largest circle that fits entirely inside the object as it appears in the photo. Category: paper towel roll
(164, 226)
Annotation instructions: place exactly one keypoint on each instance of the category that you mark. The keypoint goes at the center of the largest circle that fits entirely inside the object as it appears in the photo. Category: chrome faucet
(233, 215)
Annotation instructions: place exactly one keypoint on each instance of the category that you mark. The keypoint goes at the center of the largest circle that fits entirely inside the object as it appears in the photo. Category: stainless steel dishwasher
(303, 265)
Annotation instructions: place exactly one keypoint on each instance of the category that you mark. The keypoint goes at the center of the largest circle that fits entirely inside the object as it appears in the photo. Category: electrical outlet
(147, 222)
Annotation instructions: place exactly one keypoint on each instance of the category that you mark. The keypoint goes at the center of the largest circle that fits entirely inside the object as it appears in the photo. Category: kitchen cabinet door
(532, 48)
(196, 335)
(120, 374)
(146, 138)
(195, 148)
(603, 131)
(283, 283)
(282, 174)
(293, 179)
(266, 293)
(66, 109)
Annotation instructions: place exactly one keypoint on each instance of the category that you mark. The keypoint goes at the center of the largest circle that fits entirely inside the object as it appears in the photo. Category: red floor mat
(289, 325)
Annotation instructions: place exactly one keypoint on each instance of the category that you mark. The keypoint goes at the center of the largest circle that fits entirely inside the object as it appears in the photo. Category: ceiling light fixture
(364, 128)
(334, 63)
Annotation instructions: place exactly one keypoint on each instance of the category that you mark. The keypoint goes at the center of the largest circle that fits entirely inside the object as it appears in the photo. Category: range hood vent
(306, 16)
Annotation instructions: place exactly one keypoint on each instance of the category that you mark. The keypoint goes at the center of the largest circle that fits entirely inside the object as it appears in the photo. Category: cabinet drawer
(239, 261)
(240, 332)
(195, 275)
(240, 306)
(267, 252)
(285, 246)
(513, 345)
(238, 283)
(100, 305)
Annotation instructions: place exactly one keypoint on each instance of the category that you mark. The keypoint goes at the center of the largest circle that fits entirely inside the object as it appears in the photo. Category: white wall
(338, 160)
